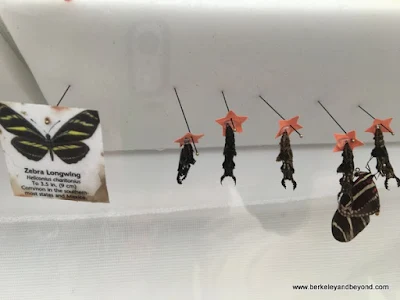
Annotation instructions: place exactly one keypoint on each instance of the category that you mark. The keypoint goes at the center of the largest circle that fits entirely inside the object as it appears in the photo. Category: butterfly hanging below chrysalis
(357, 199)
(229, 152)
(353, 213)
(186, 159)
(286, 157)
(383, 165)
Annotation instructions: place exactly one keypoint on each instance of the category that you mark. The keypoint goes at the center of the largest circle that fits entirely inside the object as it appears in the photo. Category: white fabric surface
(252, 253)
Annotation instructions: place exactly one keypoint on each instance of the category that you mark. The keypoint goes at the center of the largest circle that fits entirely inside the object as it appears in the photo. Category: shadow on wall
(283, 218)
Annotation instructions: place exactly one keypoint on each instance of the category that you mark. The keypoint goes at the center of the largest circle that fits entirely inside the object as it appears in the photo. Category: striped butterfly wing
(365, 200)
(370, 207)
(353, 213)
(345, 229)
(28, 141)
(67, 142)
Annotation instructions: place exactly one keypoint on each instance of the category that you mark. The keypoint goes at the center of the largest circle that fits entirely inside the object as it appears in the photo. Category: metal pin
(62, 97)
(227, 108)
(300, 135)
(187, 124)
(374, 119)
(337, 123)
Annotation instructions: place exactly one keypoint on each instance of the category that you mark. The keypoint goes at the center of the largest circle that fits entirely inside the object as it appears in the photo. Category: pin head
(47, 121)
(197, 154)
(230, 124)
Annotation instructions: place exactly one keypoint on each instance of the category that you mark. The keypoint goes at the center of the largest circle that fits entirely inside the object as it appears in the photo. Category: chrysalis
(347, 169)
(229, 152)
(286, 157)
(186, 159)
(383, 165)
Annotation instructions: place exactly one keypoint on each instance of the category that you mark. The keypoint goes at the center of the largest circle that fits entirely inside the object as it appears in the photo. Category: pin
(265, 101)
(337, 123)
(62, 97)
(379, 121)
(341, 138)
(47, 120)
(187, 124)
(227, 108)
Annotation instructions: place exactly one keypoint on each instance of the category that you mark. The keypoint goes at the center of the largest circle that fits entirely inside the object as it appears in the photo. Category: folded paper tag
(53, 152)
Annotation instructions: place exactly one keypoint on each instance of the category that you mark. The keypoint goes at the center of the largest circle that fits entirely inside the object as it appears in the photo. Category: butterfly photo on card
(66, 143)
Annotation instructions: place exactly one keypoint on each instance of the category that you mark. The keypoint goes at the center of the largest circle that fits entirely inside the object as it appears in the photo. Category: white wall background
(124, 57)
(202, 241)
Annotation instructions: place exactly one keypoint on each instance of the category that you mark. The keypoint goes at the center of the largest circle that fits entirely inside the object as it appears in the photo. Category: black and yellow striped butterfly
(66, 143)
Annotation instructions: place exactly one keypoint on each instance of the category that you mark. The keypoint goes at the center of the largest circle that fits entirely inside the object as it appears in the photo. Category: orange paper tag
(230, 118)
(192, 137)
(342, 139)
(288, 125)
(384, 125)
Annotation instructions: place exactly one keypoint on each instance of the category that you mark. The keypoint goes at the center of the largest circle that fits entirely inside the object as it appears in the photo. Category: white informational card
(53, 151)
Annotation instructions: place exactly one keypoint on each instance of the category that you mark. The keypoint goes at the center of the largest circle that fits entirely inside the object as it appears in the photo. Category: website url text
(341, 287)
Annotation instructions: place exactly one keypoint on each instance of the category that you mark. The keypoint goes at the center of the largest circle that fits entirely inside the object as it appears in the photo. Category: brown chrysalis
(286, 157)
